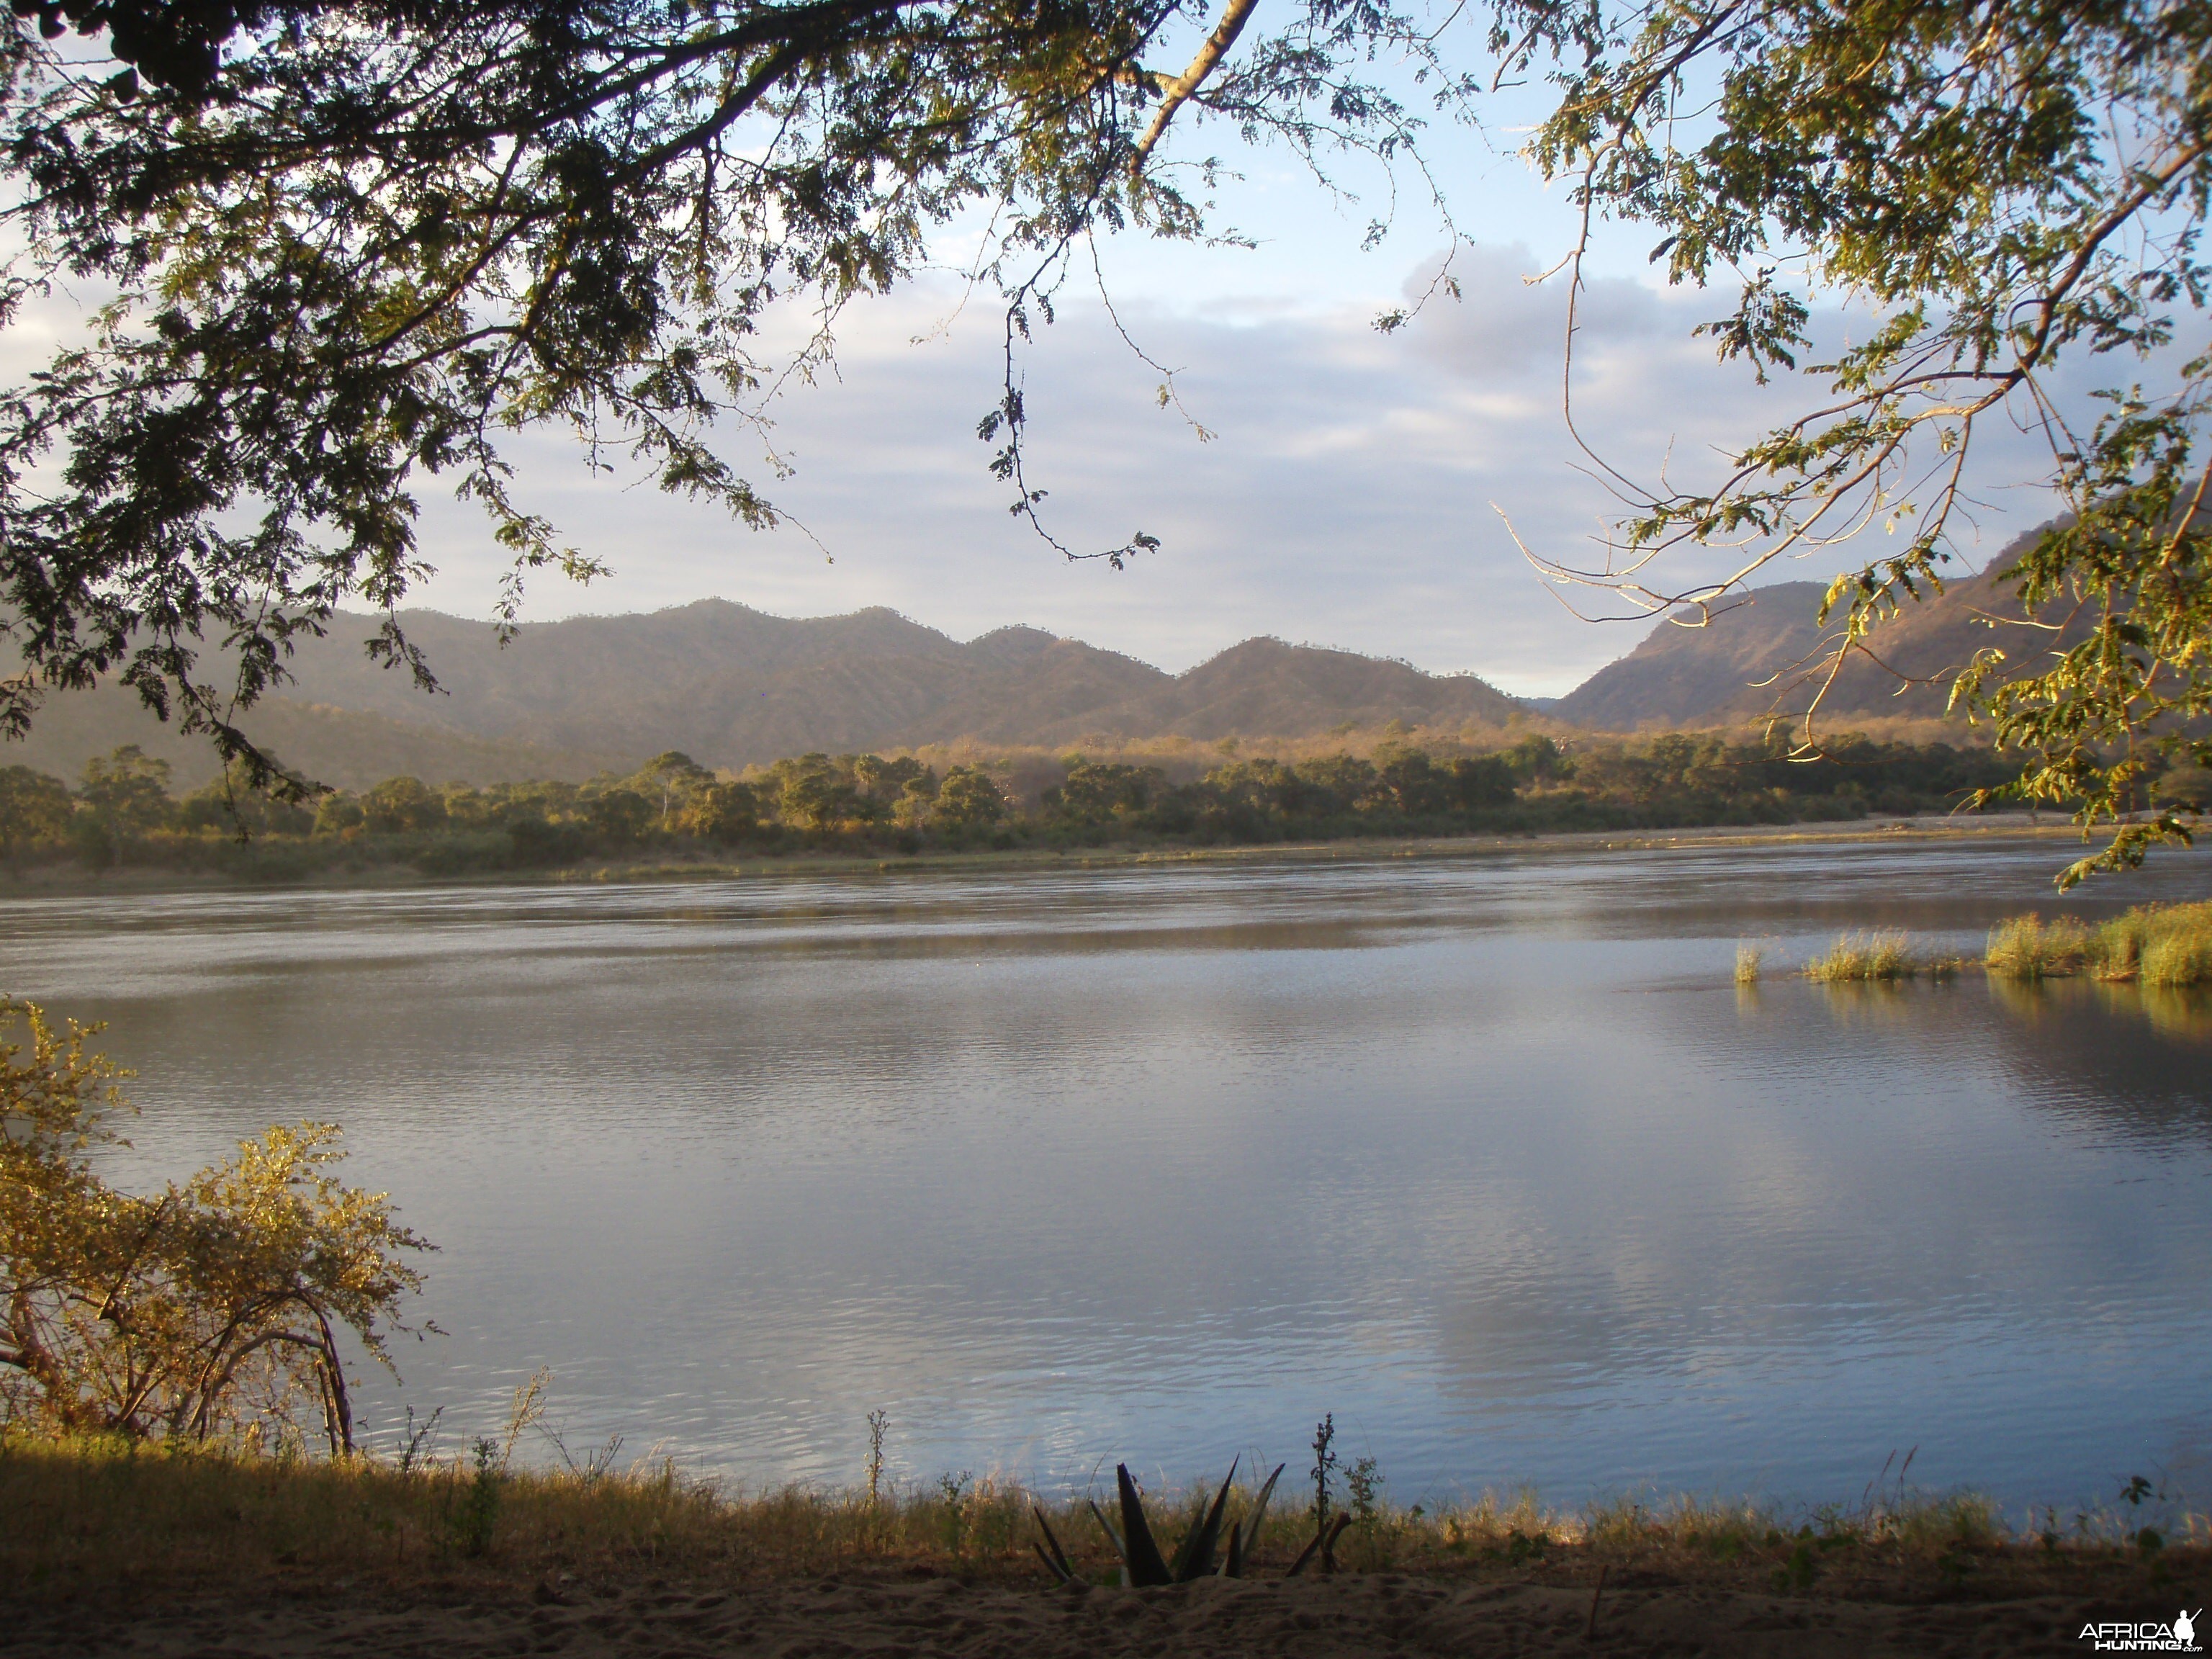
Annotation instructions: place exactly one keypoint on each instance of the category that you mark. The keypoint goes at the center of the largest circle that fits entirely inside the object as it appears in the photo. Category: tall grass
(1881, 956)
(83, 1513)
(2168, 947)
(2179, 957)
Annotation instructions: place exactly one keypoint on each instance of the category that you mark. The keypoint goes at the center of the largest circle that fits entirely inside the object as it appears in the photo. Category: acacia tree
(33, 809)
(209, 1310)
(353, 244)
(1995, 189)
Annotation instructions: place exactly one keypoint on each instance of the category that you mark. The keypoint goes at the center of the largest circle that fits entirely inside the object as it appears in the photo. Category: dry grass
(1882, 957)
(2027, 948)
(2166, 946)
(1747, 965)
(85, 1514)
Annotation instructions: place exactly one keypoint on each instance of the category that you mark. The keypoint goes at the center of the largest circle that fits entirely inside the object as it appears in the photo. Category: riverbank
(62, 879)
(931, 1615)
(153, 1554)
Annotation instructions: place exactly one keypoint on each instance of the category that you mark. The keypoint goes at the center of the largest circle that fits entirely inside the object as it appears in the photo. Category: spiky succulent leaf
(1141, 1554)
(1112, 1537)
(1246, 1533)
(1194, 1559)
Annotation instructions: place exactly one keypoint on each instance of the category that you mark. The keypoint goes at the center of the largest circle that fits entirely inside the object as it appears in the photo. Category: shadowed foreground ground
(107, 1547)
(911, 1618)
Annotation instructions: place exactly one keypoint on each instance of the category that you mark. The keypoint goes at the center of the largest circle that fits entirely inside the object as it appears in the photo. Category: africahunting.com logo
(2121, 1635)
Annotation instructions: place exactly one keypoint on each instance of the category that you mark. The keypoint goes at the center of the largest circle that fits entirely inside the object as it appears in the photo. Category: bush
(403, 806)
(207, 1311)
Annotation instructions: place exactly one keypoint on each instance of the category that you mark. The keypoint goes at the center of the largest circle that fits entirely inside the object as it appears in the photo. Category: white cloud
(1346, 498)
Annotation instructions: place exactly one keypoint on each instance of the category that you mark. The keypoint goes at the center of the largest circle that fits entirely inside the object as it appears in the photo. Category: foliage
(1882, 958)
(125, 795)
(351, 245)
(1324, 1463)
(868, 802)
(230, 802)
(34, 809)
(1995, 189)
(967, 800)
(208, 1311)
(399, 806)
(87, 1514)
(1141, 1563)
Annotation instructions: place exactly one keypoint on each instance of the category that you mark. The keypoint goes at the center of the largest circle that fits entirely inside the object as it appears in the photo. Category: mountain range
(732, 686)
(1768, 652)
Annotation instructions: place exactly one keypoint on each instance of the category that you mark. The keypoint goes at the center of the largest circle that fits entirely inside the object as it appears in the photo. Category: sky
(1356, 488)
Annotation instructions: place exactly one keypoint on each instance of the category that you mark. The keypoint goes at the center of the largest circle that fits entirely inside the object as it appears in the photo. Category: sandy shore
(1362, 1614)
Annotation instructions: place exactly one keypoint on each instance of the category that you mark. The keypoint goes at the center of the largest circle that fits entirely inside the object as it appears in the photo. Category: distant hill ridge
(1755, 657)
(732, 686)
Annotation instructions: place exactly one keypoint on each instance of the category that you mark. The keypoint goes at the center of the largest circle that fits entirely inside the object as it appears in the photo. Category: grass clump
(2168, 947)
(1747, 965)
(2179, 957)
(1882, 958)
(2028, 948)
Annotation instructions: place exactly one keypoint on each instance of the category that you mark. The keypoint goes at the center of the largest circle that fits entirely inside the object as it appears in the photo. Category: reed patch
(2164, 946)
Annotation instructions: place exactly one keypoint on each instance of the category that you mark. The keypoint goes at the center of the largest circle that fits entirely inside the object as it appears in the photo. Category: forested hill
(1748, 660)
(732, 686)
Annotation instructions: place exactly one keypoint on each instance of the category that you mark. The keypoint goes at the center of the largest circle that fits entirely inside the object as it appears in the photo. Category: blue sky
(1355, 490)
(1352, 492)
(1344, 499)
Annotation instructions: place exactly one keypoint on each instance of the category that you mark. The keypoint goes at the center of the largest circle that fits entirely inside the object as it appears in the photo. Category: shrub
(2179, 958)
(207, 1311)
(2165, 946)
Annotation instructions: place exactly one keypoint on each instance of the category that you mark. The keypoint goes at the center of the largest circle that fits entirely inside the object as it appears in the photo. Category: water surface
(1486, 1155)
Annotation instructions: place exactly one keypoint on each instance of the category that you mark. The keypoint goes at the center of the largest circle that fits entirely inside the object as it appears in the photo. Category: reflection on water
(1489, 1156)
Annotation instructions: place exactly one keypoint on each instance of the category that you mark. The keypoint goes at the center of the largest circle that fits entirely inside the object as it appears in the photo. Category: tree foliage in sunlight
(208, 1311)
(352, 245)
(2004, 191)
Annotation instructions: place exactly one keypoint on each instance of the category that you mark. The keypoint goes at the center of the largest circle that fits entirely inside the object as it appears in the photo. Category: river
(1488, 1155)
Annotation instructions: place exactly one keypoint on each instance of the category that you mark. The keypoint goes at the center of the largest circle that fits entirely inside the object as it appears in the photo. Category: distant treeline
(121, 811)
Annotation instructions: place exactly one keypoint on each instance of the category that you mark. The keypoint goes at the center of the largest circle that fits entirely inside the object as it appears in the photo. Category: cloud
(1344, 498)
(1350, 494)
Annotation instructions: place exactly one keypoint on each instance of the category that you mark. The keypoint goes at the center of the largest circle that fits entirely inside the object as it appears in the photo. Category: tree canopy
(1997, 190)
(346, 247)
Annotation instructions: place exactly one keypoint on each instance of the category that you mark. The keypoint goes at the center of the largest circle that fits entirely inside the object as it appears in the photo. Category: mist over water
(1486, 1155)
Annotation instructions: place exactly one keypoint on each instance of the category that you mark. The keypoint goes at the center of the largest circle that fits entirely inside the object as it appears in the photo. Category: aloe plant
(1200, 1554)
